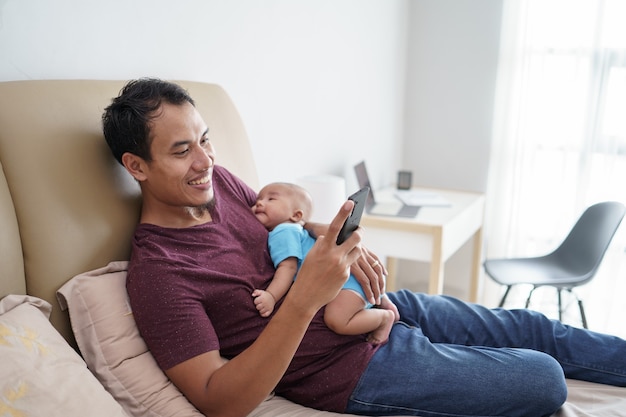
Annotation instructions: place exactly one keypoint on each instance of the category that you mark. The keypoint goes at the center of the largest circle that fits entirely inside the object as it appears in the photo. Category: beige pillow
(110, 343)
(41, 375)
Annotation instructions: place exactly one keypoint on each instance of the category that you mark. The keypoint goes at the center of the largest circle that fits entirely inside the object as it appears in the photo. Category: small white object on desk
(328, 193)
(422, 198)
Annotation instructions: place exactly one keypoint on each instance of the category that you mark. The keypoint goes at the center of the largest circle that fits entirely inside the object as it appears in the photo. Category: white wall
(319, 83)
(451, 76)
(453, 58)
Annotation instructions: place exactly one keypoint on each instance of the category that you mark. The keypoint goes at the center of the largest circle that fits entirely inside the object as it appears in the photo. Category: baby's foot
(381, 334)
(386, 303)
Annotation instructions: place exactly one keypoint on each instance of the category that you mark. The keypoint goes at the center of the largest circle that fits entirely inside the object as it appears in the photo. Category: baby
(284, 208)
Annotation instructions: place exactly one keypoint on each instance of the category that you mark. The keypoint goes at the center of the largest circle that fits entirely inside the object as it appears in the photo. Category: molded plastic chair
(574, 263)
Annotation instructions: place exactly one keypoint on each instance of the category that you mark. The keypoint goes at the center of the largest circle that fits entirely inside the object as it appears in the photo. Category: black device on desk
(404, 180)
(392, 208)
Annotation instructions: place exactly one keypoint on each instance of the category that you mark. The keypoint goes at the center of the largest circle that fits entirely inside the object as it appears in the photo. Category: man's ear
(135, 165)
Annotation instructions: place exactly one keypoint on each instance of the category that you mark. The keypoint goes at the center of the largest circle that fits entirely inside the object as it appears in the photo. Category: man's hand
(371, 273)
(327, 265)
(368, 270)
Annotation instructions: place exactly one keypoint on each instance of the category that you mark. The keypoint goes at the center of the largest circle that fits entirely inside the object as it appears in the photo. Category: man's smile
(201, 181)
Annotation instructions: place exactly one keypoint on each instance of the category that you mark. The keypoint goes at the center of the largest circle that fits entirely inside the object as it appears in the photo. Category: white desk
(434, 235)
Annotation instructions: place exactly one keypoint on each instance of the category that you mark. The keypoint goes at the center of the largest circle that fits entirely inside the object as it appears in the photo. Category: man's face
(180, 172)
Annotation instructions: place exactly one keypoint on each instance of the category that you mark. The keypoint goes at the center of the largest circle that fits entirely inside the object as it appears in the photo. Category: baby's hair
(303, 196)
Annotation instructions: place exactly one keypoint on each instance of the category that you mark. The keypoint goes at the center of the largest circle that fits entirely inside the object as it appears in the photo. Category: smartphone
(353, 221)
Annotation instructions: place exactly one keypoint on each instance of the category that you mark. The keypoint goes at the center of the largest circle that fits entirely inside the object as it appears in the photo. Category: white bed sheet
(584, 399)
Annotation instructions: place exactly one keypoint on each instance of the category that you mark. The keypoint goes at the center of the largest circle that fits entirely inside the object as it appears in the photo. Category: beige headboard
(66, 204)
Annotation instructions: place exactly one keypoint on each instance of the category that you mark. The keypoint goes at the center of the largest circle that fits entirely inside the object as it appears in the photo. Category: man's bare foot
(381, 334)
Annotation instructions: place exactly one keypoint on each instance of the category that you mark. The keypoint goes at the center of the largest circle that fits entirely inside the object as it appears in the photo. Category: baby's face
(274, 205)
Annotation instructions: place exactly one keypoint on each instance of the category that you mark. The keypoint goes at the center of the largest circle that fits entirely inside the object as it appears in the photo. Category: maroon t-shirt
(190, 291)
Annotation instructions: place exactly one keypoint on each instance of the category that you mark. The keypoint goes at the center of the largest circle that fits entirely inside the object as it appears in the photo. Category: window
(559, 140)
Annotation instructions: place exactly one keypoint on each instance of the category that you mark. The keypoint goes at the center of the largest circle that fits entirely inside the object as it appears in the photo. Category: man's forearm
(236, 387)
(316, 229)
(258, 369)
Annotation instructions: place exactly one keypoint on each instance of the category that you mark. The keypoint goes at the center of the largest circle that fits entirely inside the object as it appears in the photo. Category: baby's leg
(347, 314)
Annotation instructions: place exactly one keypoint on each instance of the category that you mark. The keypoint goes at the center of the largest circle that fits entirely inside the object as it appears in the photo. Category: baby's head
(281, 202)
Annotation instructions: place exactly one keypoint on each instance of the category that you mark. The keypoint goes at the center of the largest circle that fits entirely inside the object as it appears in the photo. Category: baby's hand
(264, 302)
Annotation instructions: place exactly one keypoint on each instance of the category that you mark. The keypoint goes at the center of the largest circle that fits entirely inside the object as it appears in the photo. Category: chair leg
(506, 293)
(583, 316)
(558, 290)
(582, 313)
(530, 294)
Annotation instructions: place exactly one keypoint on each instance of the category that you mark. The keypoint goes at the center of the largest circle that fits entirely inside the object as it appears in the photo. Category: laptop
(392, 208)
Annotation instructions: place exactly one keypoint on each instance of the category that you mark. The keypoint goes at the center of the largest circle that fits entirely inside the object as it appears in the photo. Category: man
(199, 252)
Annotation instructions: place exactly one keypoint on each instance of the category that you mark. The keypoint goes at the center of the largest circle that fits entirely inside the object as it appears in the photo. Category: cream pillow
(41, 375)
(110, 343)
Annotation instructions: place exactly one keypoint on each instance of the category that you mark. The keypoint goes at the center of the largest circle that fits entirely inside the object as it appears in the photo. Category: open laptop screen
(364, 181)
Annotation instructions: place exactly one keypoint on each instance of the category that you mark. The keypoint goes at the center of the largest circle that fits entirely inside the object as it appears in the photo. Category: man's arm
(234, 388)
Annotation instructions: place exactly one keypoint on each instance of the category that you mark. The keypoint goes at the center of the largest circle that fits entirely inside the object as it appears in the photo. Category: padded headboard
(67, 205)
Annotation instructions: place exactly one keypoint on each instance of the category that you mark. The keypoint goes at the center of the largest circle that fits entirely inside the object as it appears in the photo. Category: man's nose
(203, 159)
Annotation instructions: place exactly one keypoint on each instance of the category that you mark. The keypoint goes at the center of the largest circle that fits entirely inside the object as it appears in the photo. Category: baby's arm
(265, 300)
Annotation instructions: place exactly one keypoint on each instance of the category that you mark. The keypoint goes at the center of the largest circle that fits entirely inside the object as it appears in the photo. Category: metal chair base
(583, 317)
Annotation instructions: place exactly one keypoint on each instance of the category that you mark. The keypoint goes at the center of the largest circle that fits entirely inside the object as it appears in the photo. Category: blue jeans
(450, 358)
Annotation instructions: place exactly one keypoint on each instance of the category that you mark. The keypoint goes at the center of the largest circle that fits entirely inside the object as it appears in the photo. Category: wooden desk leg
(392, 270)
(476, 264)
(435, 283)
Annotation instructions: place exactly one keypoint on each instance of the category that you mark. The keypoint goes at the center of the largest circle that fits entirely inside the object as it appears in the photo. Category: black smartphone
(353, 221)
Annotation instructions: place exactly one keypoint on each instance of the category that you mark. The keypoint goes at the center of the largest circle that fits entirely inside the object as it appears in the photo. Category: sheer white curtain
(559, 141)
